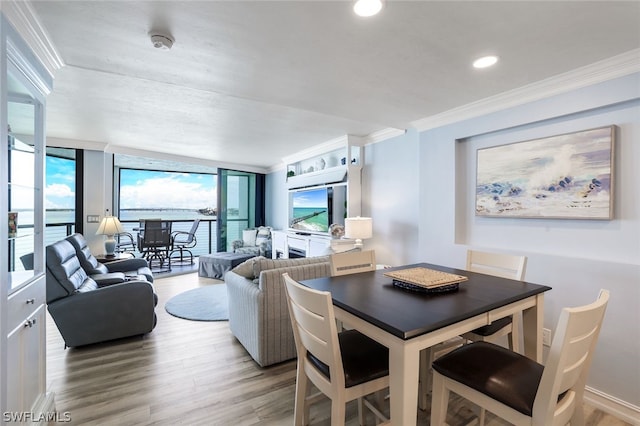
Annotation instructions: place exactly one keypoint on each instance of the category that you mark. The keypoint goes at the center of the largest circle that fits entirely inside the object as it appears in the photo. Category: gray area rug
(200, 304)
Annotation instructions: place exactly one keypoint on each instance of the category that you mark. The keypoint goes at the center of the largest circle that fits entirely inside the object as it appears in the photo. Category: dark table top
(407, 314)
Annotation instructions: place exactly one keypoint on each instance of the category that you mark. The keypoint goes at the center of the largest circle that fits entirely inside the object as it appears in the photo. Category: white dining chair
(343, 366)
(504, 266)
(352, 262)
(496, 264)
(518, 389)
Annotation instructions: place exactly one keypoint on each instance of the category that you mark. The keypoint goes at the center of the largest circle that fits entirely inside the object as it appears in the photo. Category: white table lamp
(358, 228)
(110, 226)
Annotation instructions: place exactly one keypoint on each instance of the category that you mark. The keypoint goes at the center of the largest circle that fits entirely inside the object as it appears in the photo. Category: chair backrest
(497, 264)
(565, 373)
(65, 275)
(125, 242)
(315, 331)
(194, 226)
(88, 262)
(156, 233)
(352, 262)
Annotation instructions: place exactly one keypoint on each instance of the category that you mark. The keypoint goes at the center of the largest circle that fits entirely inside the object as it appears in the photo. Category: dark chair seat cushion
(503, 375)
(363, 359)
(494, 327)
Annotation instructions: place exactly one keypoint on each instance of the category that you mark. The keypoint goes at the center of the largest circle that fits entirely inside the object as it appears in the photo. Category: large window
(225, 201)
(146, 194)
(60, 193)
(157, 189)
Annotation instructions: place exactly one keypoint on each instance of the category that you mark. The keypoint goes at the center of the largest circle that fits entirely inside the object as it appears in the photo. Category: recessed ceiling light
(485, 61)
(367, 8)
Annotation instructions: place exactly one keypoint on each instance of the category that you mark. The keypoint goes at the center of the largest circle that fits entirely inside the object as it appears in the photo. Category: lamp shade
(110, 225)
(359, 228)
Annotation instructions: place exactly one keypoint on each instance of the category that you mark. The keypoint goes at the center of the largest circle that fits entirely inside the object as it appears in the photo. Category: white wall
(277, 200)
(97, 194)
(575, 257)
(390, 198)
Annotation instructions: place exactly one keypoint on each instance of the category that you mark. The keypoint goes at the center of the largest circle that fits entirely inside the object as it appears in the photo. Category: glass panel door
(23, 188)
(237, 195)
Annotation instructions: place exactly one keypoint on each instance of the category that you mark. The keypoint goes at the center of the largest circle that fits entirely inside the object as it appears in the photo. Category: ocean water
(317, 223)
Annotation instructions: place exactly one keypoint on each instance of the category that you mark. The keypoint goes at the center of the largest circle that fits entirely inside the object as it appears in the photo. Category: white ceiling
(250, 82)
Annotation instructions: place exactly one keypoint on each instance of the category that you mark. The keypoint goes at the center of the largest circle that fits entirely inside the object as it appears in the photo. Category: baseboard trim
(612, 405)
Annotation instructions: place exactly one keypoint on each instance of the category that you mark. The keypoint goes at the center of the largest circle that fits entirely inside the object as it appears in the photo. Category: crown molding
(605, 70)
(382, 135)
(25, 21)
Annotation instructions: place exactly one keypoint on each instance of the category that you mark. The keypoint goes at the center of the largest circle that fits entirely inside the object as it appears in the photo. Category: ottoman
(215, 265)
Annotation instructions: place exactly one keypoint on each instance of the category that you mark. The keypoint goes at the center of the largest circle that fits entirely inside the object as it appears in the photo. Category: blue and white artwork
(567, 176)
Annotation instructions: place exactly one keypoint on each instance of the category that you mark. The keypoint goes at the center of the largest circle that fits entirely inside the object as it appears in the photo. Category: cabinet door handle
(31, 301)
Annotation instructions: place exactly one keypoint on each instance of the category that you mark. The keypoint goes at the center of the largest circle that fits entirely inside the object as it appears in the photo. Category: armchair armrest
(126, 265)
(236, 244)
(109, 278)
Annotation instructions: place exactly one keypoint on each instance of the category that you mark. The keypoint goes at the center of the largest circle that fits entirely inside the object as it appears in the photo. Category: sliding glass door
(241, 205)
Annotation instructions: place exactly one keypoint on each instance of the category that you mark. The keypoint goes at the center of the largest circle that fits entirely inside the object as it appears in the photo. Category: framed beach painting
(567, 176)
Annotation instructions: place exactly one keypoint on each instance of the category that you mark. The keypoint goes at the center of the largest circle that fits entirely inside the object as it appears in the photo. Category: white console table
(285, 242)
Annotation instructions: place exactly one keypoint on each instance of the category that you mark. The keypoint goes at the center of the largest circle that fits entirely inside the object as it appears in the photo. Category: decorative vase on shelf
(336, 230)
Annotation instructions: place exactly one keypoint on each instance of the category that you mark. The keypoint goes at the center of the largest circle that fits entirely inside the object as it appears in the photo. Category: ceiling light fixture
(485, 61)
(161, 41)
(367, 8)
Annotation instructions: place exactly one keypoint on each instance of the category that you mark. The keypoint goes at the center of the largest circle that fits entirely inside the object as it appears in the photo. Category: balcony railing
(206, 236)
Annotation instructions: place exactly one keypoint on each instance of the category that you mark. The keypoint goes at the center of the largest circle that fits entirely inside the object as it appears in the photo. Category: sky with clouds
(60, 191)
(159, 189)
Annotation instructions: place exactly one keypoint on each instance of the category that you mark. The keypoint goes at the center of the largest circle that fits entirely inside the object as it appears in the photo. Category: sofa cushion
(263, 264)
(246, 268)
(263, 236)
(249, 237)
(250, 269)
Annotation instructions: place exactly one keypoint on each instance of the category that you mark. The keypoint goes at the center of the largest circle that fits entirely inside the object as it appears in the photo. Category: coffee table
(215, 265)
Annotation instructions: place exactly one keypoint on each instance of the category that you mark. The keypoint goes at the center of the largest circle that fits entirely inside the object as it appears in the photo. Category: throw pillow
(249, 237)
(263, 236)
(245, 269)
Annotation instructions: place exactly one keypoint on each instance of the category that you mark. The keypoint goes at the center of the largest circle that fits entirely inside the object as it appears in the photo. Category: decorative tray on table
(426, 280)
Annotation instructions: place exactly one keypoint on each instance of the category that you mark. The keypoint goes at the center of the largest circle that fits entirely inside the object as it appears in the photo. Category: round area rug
(200, 304)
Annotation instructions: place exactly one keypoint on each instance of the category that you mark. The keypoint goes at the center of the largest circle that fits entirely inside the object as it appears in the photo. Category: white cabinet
(286, 243)
(24, 84)
(26, 356)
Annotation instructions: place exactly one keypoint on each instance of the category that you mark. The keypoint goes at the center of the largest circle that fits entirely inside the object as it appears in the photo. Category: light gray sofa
(258, 311)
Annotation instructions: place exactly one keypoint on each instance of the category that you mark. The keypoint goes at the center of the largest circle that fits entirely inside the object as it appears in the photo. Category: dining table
(407, 320)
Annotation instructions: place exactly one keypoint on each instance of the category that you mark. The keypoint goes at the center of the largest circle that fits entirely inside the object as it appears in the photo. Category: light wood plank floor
(190, 373)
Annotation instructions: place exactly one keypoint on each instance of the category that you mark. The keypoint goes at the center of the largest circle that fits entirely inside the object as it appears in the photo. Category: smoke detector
(161, 41)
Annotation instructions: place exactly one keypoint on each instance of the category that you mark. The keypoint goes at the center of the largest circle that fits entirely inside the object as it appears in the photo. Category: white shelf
(320, 177)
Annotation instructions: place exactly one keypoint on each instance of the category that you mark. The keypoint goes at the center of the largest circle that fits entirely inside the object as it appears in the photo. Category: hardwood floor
(190, 373)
